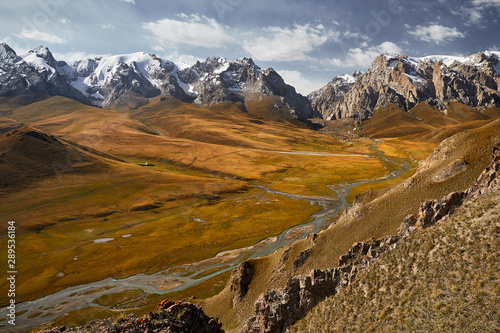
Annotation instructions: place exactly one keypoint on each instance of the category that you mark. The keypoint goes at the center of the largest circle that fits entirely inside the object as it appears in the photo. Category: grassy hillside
(376, 219)
(7, 125)
(443, 279)
(29, 156)
(391, 121)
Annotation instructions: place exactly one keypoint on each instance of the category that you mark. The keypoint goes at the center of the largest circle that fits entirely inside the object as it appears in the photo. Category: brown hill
(424, 123)
(464, 113)
(391, 121)
(431, 116)
(28, 155)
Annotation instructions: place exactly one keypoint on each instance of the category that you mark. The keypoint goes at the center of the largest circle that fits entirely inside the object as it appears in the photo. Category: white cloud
(474, 12)
(193, 30)
(364, 56)
(285, 44)
(303, 85)
(108, 26)
(435, 33)
(129, 1)
(486, 2)
(64, 21)
(40, 36)
(71, 57)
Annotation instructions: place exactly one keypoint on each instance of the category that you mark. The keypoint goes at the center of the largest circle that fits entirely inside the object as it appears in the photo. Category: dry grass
(391, 121)
(192, 181)
(442, 279)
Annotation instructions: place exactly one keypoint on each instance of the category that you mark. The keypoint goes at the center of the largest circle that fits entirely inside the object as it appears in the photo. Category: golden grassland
(60, 217)
(166, 236)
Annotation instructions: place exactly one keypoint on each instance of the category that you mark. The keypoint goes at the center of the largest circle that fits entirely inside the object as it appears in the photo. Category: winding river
(175, 278)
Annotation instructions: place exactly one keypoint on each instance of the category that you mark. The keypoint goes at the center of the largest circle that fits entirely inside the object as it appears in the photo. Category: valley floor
(119, 210)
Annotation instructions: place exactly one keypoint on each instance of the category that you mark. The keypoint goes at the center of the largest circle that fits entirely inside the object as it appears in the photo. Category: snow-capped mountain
(216, 80)
(36, 71)
(103, 81)
(404, 81)
(321, 100)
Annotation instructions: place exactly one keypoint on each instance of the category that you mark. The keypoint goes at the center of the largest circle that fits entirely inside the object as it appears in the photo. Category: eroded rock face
(433, 211)
(170, 316)
(276, 310)
(405, 81)
(241, 277)
(324, 99)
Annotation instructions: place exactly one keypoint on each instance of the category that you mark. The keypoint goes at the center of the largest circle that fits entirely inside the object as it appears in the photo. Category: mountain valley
(133, 180)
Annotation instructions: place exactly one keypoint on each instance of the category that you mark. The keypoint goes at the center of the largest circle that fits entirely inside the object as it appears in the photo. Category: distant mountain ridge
(102, 81)
(398, 79)
(405, 81)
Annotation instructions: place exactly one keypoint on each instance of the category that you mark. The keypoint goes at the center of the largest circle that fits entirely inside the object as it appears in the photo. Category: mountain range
(104, 81)
(132, 79)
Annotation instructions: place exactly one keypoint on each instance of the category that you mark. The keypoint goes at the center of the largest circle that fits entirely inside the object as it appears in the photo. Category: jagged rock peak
(43, 53)
(108, 80)
(323, 99)
(405, 81)
(7, 53)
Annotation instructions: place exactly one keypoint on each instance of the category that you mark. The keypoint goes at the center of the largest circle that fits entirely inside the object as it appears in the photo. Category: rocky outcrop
(489, 178)
(241, 277)
(433, 211)
(405, 81)
(301, 259)
(277, 309)
(170, 316)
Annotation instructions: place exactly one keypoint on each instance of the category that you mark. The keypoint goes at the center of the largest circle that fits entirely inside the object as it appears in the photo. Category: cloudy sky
(307, 41)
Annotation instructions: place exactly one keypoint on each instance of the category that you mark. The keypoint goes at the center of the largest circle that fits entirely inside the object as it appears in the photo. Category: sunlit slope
(7, 125)
(222, 139)
(224, 124)
(424, 123)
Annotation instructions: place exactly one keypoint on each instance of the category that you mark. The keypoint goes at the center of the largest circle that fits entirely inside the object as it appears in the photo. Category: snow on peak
(41, 59)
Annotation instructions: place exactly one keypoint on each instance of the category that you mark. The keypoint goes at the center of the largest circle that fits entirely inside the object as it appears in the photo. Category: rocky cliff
(406, 81)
